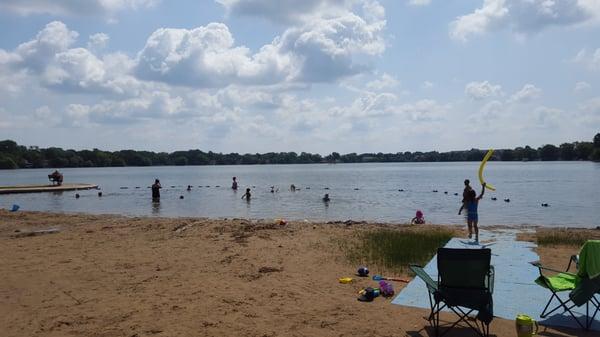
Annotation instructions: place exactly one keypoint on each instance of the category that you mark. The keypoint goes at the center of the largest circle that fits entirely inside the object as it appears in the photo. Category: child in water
(471, 203)
(234, 184)
(247, 195)
(419, 219)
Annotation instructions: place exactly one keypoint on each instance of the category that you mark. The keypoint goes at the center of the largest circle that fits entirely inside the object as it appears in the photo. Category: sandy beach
(128, 276)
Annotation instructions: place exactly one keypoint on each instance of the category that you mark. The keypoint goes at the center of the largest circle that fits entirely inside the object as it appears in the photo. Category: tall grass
(567, 237)
(393, 250)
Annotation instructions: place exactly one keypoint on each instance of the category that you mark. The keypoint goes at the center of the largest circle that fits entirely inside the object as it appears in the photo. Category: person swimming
(419, 219)
(247, 195)
(326, 197)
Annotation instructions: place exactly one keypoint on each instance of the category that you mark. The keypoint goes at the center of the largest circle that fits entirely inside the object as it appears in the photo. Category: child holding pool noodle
(471, 203)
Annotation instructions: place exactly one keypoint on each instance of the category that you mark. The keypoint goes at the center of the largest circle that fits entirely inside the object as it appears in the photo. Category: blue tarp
(515, 291)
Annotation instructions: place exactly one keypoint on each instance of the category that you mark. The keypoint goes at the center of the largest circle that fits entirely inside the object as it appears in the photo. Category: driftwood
(36, 233)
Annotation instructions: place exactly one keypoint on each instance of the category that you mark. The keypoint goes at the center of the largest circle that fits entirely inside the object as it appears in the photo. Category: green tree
(507, 155)
(584, 150)
(548, 152)
(596, 154)
(597, 140)
(7, 163)
(567, 151)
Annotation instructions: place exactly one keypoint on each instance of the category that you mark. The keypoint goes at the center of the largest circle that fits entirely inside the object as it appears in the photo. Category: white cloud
(53, 39)
(581, 87)
(98, 41)
(386, 81)
(427, 85)
(545, 117)
(482, 90)
(71, 7)
(283, 10)
(478, 22)
(419, 2)
(524, 16)
(590, 60)
(206, 57)
(322, 50)
(528, 93)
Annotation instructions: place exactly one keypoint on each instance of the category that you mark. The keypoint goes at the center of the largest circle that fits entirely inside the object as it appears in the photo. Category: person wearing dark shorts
(156, 190)
(471, 203)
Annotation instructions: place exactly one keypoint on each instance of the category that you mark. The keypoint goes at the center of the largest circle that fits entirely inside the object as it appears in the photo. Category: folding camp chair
(583, 286)
(465, 284)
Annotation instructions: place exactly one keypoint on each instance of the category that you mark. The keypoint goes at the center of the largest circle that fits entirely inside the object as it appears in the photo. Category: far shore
(110, 275)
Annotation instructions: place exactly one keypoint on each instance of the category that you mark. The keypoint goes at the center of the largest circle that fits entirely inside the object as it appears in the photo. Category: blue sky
(290, 75)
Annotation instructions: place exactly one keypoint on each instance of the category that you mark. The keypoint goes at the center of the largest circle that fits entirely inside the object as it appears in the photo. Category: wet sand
(121, 276)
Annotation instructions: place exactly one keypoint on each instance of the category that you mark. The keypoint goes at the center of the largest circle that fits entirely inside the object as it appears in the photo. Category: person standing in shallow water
(234, 184)
(156, 190)
(247, 195)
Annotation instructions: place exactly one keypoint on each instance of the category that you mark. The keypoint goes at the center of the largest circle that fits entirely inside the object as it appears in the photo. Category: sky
(318, 76)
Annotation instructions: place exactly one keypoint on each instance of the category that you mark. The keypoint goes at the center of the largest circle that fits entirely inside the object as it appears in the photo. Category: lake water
(357, 191)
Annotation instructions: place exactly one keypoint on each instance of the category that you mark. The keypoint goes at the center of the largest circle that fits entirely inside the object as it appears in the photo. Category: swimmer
(326, 197)
(293, 188)
(419, 219)
(156, 190)
(247, 195)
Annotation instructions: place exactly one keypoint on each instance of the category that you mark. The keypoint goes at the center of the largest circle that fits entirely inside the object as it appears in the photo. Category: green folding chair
(583, 286)
(464, 285)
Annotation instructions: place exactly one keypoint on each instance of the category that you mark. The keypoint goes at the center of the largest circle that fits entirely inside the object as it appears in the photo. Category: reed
(565, 237)
(394, 250)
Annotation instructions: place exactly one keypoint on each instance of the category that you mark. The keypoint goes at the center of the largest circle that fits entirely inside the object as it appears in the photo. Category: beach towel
(589, 259)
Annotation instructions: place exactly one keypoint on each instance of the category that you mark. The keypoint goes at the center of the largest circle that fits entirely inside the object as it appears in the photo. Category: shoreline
(117, 275)
(350, 222)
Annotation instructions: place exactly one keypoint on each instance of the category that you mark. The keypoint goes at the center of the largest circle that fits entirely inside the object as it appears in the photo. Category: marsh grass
(565, 237)
(393, 250)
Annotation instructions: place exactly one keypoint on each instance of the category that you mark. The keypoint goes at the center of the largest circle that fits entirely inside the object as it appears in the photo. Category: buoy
(99, 194)
(77, 195)
(494, 198)
(435, 191)
(445, 192)
(506, 200)
(181, 197)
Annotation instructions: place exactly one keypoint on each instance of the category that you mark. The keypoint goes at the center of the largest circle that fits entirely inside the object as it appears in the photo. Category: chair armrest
(574, 258)
(432, 285)
(490, 279)
(540, 267)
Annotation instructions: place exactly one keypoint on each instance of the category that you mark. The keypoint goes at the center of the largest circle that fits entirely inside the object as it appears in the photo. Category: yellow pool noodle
(483, 162)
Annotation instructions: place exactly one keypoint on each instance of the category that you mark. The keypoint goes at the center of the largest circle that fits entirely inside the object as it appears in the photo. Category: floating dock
(45, 188)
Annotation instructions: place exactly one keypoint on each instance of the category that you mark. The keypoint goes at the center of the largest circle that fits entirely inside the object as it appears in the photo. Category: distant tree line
(14, 156)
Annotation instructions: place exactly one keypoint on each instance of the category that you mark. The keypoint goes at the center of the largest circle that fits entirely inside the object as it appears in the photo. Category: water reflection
(155, 207)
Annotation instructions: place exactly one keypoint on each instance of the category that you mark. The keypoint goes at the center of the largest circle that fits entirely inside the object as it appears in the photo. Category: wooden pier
(45, 188)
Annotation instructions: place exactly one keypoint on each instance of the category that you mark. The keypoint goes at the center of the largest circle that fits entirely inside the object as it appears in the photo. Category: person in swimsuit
(234, 184)
(419, 219)
(156, 190)
(247, 195)
(471, 203)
